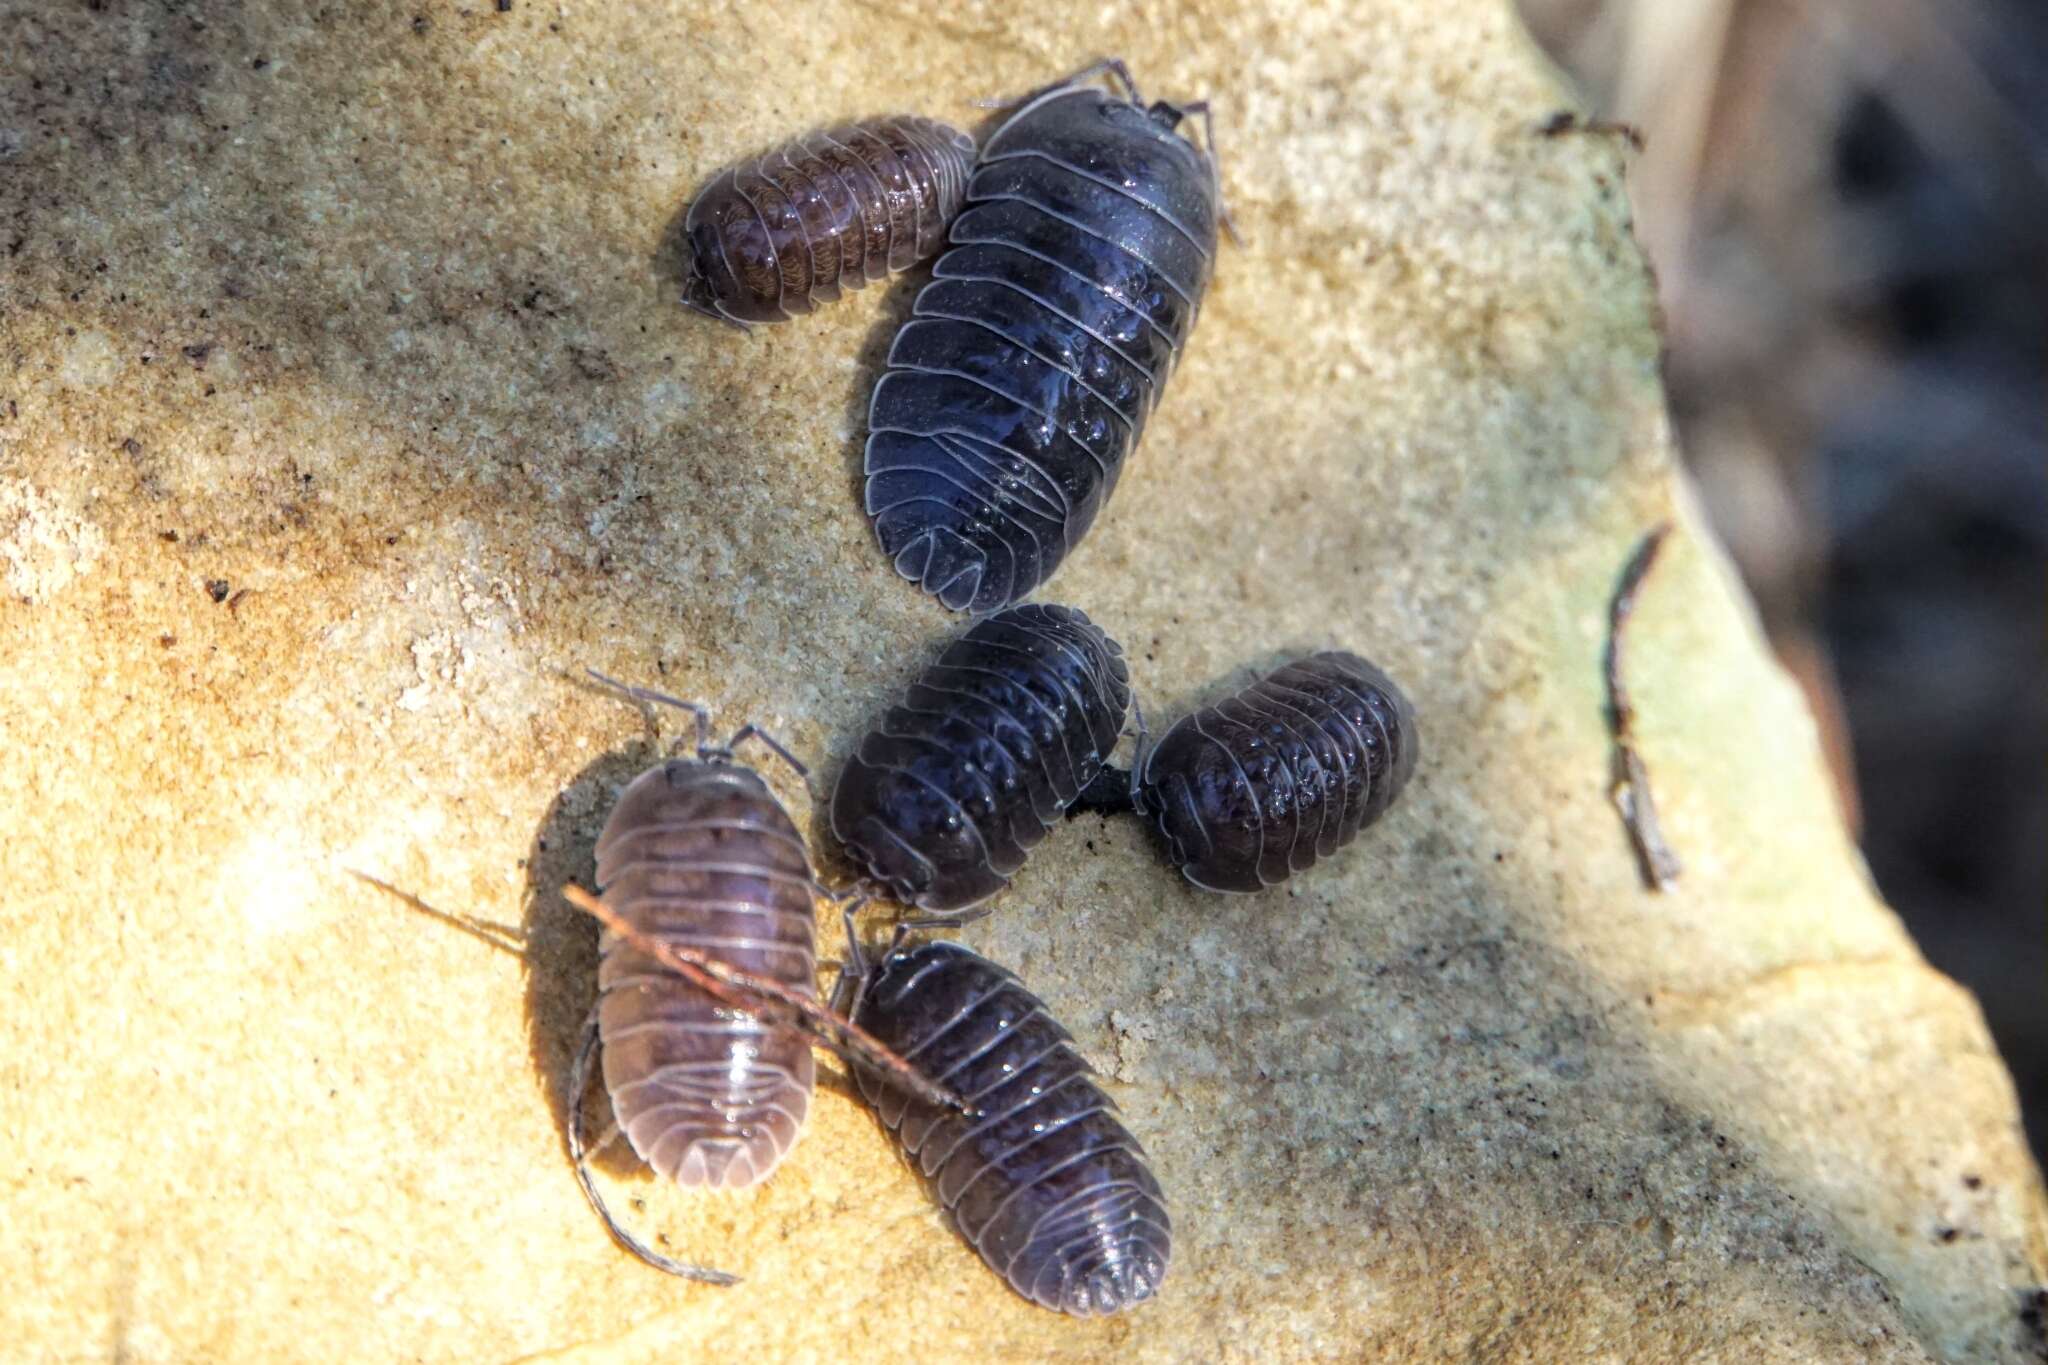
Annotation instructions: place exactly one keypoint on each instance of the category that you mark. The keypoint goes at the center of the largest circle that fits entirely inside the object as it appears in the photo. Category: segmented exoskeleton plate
(1044, 1181)
(942, 800)
(1022, 381)
(704, 856)
(786, 231)
(1259, 786)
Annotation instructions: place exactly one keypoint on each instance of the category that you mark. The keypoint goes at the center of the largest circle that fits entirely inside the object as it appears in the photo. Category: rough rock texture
(345, 410)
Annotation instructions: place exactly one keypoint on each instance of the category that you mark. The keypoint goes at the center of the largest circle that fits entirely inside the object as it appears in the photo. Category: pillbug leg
(753, 731)
(951, 921)
(853, 977)
(850, 899)
(1215, 164)
(579, 1081)
(1110, 66)
(852, 984)
(1138, 754)
(697, 298)
(1113, 792)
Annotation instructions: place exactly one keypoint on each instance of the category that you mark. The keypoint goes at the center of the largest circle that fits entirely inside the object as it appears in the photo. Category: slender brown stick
(773, 1003)
(1631, 789)
(503, 937)
(1565, 122)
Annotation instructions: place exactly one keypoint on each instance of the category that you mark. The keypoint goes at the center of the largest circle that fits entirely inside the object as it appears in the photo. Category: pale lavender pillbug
(1261, 785)
(1043, 1180)
(942, 800)
(699, 854)
(1019, 387)
(786, 231)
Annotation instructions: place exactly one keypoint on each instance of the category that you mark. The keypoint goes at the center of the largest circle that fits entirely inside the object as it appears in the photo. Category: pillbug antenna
(1215, 166)
(1112, 67)
(647, 696)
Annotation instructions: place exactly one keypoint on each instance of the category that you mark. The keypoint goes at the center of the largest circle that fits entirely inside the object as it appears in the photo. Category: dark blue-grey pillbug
(1022, 381)
(1249, 791)
(1043, 1181)
(942, 800)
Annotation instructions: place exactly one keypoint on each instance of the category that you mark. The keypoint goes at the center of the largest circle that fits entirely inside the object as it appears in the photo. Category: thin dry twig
(773, 1003)
(503, 937)
(1631, 789)
(1566, 122)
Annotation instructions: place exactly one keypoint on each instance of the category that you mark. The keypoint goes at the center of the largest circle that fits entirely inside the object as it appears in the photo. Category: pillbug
(1255, 788)
(784, 232)
(1043, 1180)
(1021, 382)
(941, 801)
(706, 976)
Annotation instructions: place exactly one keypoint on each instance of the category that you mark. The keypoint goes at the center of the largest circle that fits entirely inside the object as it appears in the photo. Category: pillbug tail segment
(697, 294)
(893, 863)
(579, 1081)
(698, 298)
(1180, 822)
(963, 590)
(936, 558)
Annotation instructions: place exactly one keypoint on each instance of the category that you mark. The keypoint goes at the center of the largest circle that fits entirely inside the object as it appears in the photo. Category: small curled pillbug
(1249, 791)
(706, 1007)
(1044, 1181)
(786, 231)
(942, 800)
(1020, 385)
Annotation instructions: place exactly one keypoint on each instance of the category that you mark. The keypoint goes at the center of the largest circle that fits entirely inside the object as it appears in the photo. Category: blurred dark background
(1847, 208)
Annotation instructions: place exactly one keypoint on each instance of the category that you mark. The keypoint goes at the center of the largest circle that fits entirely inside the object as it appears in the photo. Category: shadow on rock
(561, 941)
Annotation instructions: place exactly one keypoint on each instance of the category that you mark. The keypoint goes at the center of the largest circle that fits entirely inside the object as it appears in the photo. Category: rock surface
(346, 412)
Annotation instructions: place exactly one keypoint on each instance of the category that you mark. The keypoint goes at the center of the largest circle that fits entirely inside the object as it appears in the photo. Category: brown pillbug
(1255, 788)
(707, 977)
(1042, 1179)
(786, 231)
(942, 800)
